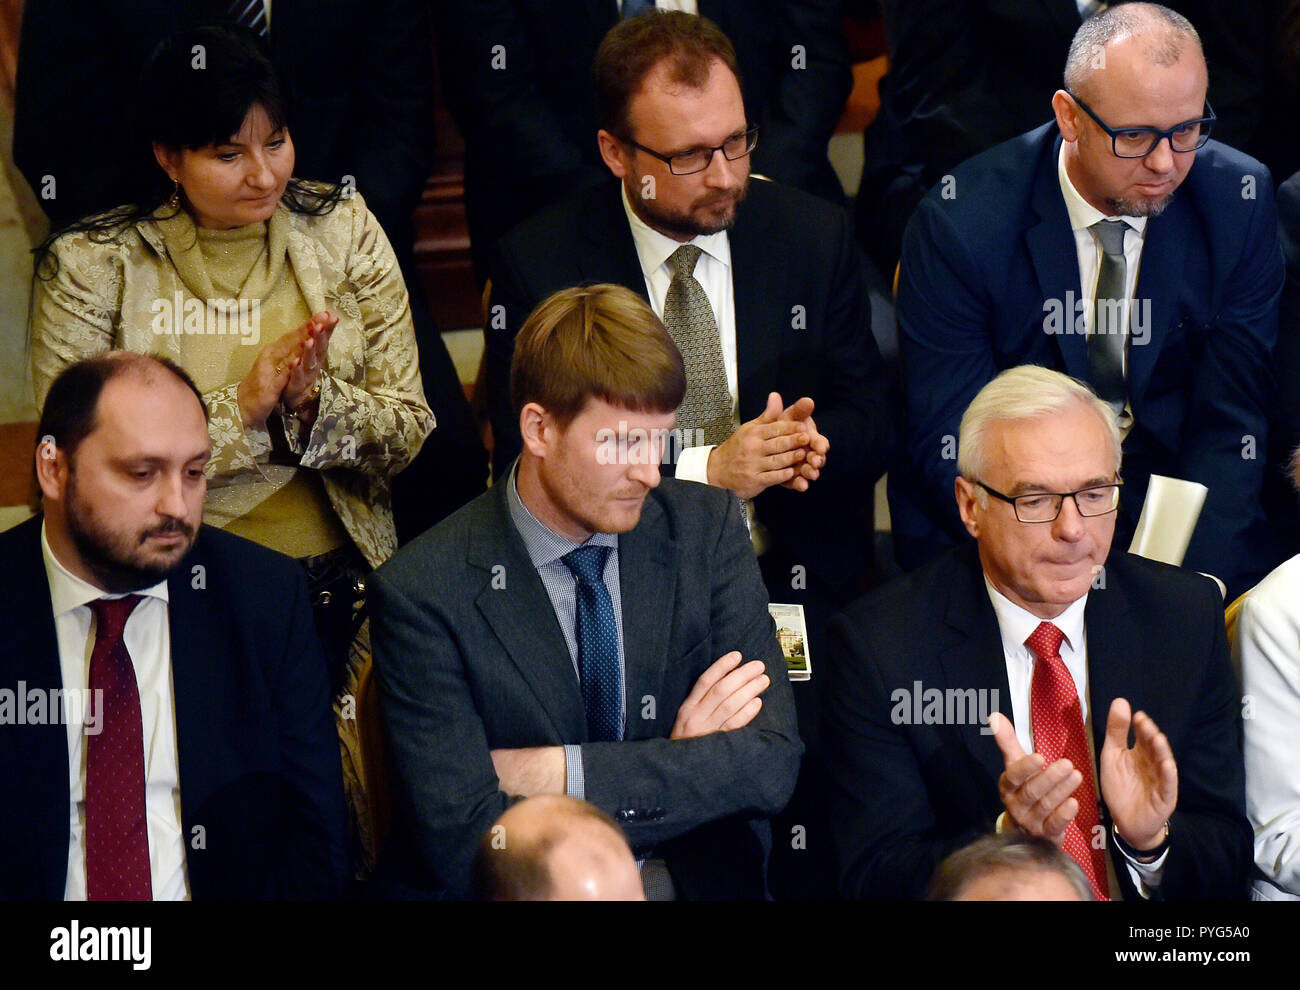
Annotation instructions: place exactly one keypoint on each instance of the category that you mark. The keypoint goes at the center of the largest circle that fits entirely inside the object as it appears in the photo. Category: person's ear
(967, 500)
(1067, 115)
(536, 428)
(614, 153)
(168, 160)
(51, 469)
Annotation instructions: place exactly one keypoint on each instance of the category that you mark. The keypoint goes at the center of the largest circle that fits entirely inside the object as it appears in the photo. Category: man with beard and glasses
(1119, 244)
(763, 289)
(168, 732)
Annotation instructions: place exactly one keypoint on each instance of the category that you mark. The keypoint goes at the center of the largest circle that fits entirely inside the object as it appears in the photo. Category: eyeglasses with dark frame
(698, 159)
(1138, 142)
(1044, 507)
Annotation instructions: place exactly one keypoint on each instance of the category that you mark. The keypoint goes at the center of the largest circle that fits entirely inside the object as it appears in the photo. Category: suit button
(324, 598)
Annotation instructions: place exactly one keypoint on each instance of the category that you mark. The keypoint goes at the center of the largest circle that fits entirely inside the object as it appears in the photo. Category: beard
(120, 561)
(685, 224)
(1140, 208)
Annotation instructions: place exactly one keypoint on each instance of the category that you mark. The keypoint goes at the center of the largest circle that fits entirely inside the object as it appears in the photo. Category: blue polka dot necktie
(597, 636)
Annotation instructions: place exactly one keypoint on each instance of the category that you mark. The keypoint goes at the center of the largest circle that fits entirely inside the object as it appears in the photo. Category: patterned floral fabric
(372, 417)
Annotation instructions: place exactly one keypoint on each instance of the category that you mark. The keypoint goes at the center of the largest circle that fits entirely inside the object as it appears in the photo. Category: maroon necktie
(117, 837)
(1057, 719)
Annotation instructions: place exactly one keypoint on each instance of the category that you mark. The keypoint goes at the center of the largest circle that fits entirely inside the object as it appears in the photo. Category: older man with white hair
(998, 687)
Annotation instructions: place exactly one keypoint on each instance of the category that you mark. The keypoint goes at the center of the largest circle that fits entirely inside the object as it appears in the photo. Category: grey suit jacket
(470, 658)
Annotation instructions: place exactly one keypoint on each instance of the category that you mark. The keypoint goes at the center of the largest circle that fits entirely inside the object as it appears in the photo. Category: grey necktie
(1106, 340)
(633, 7)
(688, 317)
(250, 14)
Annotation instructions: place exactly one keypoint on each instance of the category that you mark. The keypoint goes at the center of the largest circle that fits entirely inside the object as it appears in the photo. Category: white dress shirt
(1082, 216)
(147, 639)
(1267, 645)
(713, 272)
(1016, 625)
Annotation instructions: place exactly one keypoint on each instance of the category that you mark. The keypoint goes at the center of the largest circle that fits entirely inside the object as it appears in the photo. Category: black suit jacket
(528, 113)
(989, 267)
(474, 660)
(906, 795)
(261, 788)
(803, 327)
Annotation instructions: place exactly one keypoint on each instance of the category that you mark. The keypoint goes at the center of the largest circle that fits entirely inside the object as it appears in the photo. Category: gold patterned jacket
(372, 416)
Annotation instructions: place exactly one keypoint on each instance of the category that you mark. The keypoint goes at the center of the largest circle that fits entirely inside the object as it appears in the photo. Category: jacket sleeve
(441, 754)
(748, 770)
(372, 420)
(77, 313)
(1225, 444)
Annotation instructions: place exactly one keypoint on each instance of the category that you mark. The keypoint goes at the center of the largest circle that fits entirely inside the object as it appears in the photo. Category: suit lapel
(1113, 648)
(646, 565)
(971, 655)
(1050, 242)
(612, 253)
(756, 284)
(207, 682)
(33, 658)
(1160, 277)
(523, 619)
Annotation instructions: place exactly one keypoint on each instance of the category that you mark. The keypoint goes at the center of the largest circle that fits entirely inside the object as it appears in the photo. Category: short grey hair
(1166, 31)
(1016, 852)
(1026, 392)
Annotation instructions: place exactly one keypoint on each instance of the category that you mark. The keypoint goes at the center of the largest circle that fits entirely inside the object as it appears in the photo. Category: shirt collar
(67, 591)
(654, 248)
(1017, 624)
(1082, 213)
(544, 545)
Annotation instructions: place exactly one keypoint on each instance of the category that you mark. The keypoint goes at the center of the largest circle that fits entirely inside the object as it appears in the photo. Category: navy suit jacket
(262, 811)
(803, 327)
(905, 795)
(985, 254)
(474, 660)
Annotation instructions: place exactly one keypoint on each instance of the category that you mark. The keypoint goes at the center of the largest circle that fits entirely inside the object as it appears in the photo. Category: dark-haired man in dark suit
(167, 733)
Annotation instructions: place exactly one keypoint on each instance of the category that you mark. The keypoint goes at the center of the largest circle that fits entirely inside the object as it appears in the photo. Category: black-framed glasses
(1138, 142)
(1043, 507)
(698, 159)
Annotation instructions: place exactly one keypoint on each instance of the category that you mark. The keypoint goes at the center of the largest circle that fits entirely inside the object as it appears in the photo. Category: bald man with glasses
(1122, 245)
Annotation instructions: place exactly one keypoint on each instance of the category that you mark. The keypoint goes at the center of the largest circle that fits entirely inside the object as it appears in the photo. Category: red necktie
(117, 837)
(1058, 734)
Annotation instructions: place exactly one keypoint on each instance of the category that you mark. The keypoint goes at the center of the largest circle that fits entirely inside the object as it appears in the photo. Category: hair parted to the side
(1165, 32)
(1015, 852)
(597, 341)
(634, 47)
(1025, 392)
(72, 404)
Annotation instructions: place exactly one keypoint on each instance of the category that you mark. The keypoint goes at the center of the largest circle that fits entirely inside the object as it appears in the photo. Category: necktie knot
(588, 564)
(682, 261)
(111, 615)
(1110, 235)
(1045, 641)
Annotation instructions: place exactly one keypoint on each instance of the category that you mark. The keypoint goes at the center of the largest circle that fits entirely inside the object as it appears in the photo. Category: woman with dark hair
(281, 298)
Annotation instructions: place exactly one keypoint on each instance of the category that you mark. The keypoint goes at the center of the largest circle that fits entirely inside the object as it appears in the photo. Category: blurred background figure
(554, 848)
(1009, 867)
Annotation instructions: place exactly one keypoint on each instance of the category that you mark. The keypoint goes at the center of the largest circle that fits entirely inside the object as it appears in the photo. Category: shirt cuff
(1145, 876)
(693, 464)
(575, 785)
(1002, 826)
